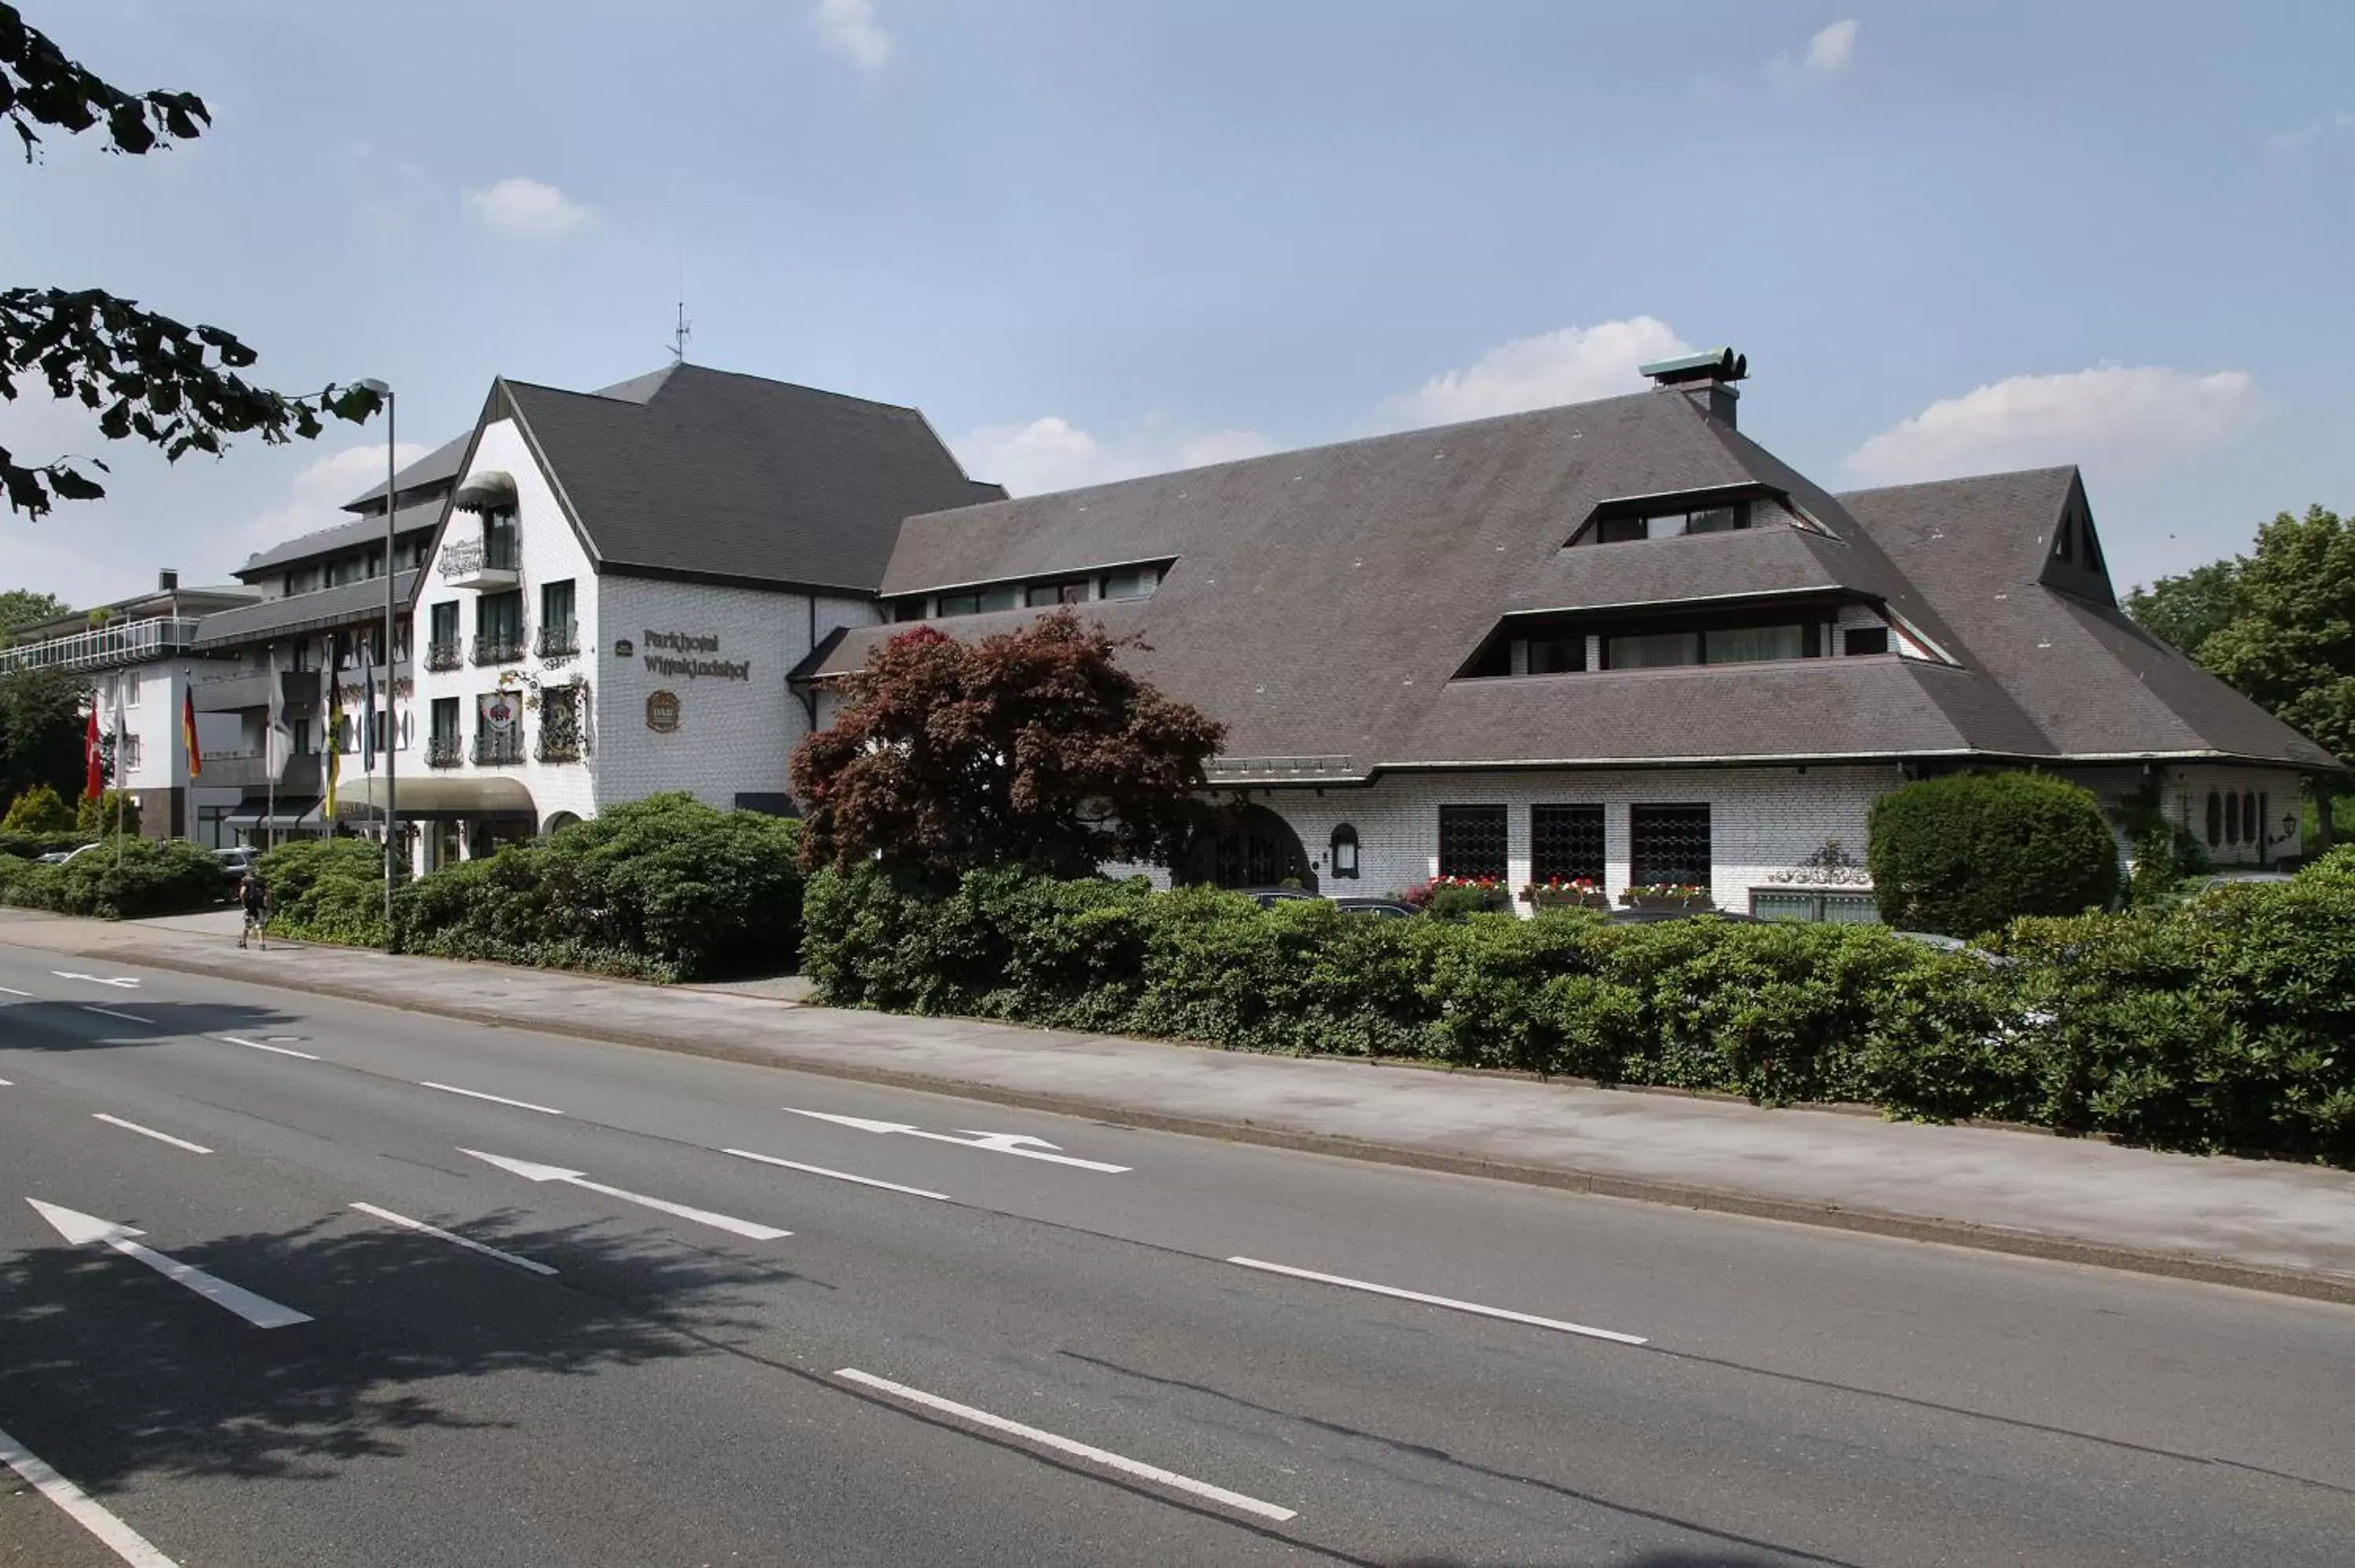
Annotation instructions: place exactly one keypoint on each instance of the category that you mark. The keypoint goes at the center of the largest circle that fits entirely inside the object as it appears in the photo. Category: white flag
(277, 741)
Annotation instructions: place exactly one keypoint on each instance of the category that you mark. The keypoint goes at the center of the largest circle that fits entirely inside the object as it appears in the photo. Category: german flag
(188, 733)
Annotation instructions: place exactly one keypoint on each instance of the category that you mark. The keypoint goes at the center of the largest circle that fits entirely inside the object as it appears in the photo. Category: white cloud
(1829, 54)
(2129, 419)
(1052, 454)
(321, 489)
(527, 207)
(848, 28)
(2313, 131)
(1572, 365)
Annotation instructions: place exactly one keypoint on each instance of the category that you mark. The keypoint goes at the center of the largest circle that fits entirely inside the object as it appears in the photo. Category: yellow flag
(334, 753)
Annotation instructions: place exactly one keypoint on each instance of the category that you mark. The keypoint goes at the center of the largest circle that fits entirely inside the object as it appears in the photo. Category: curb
(2305, 1283)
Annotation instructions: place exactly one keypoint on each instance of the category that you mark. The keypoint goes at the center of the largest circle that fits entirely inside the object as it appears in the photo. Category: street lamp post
(391, 722)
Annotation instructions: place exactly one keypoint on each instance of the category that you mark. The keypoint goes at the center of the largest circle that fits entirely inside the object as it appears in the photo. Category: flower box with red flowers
(1566, 893)
(1493, 892)
(1667, 896)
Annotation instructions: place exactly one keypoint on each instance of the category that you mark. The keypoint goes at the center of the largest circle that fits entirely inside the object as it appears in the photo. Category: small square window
(1858, 640)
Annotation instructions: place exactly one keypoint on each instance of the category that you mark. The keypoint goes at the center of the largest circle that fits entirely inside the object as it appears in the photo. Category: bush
(154, 879)
(38, 811)
(663, 888)
(96, 817)
(1968, 853)
(2220, 1023)
(33, 846)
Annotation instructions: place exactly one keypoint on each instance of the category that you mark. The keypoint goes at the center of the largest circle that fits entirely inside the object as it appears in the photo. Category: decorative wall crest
(1831, 866)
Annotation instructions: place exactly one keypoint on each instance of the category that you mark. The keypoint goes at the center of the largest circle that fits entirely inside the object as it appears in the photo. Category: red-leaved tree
(1030, 748)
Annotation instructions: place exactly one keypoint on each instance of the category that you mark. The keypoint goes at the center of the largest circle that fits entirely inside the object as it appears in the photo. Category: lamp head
(373, 384)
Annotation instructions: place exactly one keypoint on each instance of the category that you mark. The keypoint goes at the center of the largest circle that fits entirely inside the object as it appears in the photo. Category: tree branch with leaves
(145, 374)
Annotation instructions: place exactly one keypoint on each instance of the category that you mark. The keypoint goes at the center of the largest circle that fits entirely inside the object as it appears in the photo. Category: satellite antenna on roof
(680, 335)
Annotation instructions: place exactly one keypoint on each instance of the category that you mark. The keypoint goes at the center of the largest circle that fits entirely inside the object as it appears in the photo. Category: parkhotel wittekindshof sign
(677, 657)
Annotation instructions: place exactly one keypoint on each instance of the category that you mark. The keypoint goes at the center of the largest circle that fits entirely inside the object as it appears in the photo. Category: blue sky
(1092, 238)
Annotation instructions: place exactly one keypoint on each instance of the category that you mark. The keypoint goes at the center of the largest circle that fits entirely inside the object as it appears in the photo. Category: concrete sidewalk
(2280, 1227)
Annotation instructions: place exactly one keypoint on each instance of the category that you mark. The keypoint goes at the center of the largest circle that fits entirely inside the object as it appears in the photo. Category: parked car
(1381, 908)
(1646, 916)
(1268, 897)
(59, 857)
(235, 863)
(2240, 878)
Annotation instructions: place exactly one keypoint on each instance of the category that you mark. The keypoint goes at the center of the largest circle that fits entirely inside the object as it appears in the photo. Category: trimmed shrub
(1968, 853)
(326, 890)
(2223, 1023)
(33, 846)
(96, 818)
(173, 878)
(38, 809)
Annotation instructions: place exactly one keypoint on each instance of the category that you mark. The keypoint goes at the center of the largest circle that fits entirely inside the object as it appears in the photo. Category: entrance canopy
(476, 800)
(294, 813)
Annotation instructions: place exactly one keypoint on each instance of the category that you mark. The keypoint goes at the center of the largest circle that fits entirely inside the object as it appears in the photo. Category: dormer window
(1720, 511)
(1132, 582)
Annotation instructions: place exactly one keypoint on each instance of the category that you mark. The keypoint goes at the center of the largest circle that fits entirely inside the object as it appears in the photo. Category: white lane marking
(838, 1175)
(1104, 1457)
(150, 1132)
(6, 1083)
(75, 1504)
(455, 1239)
(126, 1017)
(1449, 1301)
(257, 1046)
(496, 1100)
(530, 1172)
(12, 990)
(124, 981)
(81, 1229)
(992, 1142)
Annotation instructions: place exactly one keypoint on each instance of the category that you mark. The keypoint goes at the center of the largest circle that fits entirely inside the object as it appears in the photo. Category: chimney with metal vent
(167, 581)
(1706, 378)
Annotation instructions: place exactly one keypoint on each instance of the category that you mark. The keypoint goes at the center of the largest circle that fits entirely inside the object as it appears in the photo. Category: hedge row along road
(484, 1295)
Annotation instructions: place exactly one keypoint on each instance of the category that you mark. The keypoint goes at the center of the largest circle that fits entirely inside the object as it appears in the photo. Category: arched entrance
(558, 823)
(1245, 846)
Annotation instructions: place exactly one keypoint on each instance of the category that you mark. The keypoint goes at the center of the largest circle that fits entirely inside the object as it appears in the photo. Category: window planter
(1566, 897)
(1667, 896)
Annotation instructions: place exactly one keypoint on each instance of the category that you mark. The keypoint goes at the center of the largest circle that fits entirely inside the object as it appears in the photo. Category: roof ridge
(2070, 468)
(709, 370)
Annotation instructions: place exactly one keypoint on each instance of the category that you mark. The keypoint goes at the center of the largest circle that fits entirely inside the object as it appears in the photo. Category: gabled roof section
(433, 468)
(706, 473)
(367, 529)
(2094, 683)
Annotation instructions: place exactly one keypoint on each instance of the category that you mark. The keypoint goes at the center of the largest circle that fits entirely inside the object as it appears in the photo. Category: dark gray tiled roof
(726, 475)
(346, 535)
(433, 468)
(294, 614)
(2094, 683)
(1320, 602)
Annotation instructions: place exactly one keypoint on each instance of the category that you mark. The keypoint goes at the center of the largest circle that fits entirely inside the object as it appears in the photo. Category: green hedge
(173, 878)
(663, 888)
(2220, 1024)
(32, 846)
(1964, 854)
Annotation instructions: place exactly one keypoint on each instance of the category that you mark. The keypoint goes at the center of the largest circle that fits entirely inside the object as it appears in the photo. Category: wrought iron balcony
(557, 746)
(498, 750)
(470, 563)
(499, 649)
(560, 640)
(443, 656)
(443, 751)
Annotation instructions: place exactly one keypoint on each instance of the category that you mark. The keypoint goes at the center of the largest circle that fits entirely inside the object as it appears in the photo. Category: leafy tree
(22, 607)
(40, 732)
(2186, 611)
(1031, 747)
(141, 374)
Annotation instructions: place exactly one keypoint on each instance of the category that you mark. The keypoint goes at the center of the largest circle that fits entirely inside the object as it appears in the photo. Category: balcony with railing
(443, 751)
(498, 647)
(495, 749)
(238, 768)
(494, 562)
(248, 689)
(111, 646)
(443, 656)
(558, 640)
(558, 743)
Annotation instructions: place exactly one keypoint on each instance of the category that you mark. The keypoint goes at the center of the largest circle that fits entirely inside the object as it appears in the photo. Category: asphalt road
(946, 1332)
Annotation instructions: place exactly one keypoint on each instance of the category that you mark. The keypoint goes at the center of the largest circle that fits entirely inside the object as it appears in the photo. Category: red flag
(188, 732)
(94, 782)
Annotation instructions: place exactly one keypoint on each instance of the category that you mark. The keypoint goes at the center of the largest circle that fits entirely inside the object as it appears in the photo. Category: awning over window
(362, 799)
(293, 814)
(487, 491)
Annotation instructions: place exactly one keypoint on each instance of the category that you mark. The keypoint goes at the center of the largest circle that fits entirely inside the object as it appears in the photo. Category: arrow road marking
(1109, 1460)
(119, 1538)
(994, 1142)
(96, 980)
(532, 1172)
(420, 1225)
(80, 1230)
(1449, 1301)
(149, 1132)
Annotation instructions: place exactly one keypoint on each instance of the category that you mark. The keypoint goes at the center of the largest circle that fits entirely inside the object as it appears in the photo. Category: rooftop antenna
(680, 335)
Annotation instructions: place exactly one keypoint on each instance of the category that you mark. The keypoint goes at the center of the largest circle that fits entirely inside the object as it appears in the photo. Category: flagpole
(268, 749)
(118, 771)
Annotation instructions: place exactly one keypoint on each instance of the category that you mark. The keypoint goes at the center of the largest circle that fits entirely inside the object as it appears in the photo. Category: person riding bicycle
(255, 896)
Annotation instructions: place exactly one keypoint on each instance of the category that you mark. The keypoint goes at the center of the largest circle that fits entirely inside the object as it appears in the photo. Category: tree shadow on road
(110, 1371)
(129, 1020)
